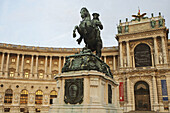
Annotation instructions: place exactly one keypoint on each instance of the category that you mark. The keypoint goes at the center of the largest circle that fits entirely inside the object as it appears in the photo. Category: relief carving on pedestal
(74, 91)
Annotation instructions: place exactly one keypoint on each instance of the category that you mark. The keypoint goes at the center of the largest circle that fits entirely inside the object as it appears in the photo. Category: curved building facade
(140, 64)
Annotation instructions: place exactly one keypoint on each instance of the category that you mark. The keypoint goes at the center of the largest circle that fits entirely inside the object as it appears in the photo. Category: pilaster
(59, 65)
(7, 65)
(45, 67)
(164, 50)
(128, 54)
(36, 67)
(22, 66)
(2, 63)
(156, 50)
(32, 64)
(155, 94)
(120, 53)
(114, 62)
(17, 66)
(50, 70)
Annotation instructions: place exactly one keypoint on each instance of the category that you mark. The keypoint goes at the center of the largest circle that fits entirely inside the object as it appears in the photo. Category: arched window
(38, 97)
(53, 94)
(142, 55)
(24, 97)
(8, 96)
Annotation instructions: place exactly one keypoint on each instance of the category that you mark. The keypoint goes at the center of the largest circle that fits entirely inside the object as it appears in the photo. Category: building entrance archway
(142, 96)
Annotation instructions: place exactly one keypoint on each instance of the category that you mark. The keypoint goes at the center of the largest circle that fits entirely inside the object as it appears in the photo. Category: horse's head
(84, 13)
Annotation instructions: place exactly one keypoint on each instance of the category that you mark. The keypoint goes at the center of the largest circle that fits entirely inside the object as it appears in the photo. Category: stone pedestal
(86, 85)
(95, 94)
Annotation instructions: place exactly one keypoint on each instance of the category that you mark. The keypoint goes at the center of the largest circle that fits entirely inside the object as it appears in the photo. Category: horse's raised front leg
(74, 31)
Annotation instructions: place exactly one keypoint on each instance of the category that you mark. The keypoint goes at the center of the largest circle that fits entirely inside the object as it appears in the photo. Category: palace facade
(140, 64)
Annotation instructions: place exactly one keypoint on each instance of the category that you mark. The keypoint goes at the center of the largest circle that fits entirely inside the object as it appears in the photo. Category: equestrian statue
(89, 30)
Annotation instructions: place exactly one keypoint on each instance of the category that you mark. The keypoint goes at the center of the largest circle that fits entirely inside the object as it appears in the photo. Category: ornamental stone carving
(86, 60)
(1, 98)
(74, 91)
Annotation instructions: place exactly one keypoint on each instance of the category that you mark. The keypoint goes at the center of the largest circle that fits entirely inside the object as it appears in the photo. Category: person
(98, 26)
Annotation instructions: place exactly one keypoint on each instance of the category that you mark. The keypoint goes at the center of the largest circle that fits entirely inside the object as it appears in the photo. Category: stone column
(17, 66)
(32, 65)
(155, 94)
(133, 60)
(128, 95)
(7, 65)
(22, 66)
(128, 54)
(120, 52)
(156, 50)
(152, 59)
(105, 59)
(64, 60)
(36, 67)
(164, 50)
(50, 70)
(59, 65)
(45, 68)
(115, 96)
(114, 63)
(2, 64)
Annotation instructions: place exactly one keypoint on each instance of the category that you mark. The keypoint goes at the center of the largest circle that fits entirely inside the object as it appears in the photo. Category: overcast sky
(49, 23)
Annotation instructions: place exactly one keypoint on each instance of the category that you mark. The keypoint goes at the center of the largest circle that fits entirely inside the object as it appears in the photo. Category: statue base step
(91, 108)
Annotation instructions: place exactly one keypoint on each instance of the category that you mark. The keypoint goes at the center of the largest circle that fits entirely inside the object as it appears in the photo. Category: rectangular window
(55, 63)
(6, 109)
(21, 109)
(40, 75)
(37, 110)
(164, 90)
(13, 60)
(27, 61)
(26, 75)
(11, 74)
(110, 62)
(41, 62)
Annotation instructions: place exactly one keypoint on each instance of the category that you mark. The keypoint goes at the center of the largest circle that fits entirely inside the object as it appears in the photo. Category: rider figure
(97, 24)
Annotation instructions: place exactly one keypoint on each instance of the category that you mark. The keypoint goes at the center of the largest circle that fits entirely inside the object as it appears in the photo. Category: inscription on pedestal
(74, 91)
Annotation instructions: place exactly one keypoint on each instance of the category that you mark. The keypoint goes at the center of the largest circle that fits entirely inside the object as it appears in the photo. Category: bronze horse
(89, 33)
